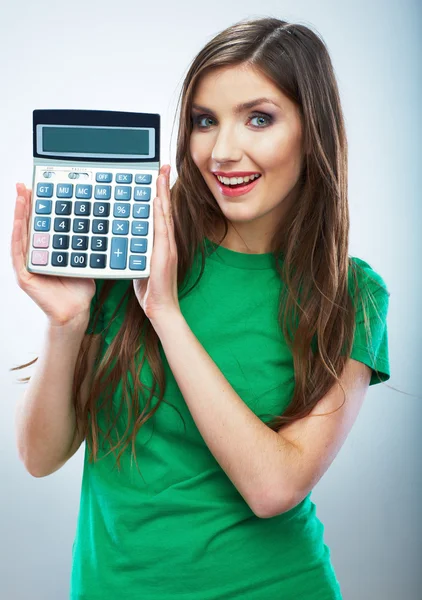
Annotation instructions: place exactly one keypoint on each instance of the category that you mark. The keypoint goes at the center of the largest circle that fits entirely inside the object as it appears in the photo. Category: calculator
(94, 181)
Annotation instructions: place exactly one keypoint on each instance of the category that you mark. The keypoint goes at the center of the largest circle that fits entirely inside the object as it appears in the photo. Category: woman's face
(263, 139)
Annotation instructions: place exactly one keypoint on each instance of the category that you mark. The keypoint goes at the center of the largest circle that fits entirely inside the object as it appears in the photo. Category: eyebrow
(239, 107)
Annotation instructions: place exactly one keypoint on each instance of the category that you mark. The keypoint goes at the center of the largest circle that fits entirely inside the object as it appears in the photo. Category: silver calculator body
(94, 181)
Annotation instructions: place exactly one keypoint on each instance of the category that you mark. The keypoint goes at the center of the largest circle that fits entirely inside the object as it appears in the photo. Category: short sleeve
(99, 327)
(370, 342)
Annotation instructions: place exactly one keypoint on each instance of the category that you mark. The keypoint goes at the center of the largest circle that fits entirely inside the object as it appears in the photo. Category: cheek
(283, 157)
(198, 150)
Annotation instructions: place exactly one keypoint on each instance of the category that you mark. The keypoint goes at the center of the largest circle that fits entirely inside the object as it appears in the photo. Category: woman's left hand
(158, 294)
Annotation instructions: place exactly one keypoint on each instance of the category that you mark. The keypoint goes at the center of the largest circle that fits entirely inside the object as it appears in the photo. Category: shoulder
(369, 280)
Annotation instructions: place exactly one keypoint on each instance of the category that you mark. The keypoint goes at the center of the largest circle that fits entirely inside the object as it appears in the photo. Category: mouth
(237, 189)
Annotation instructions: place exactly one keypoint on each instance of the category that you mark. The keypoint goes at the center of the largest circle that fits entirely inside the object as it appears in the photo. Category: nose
(226, 147)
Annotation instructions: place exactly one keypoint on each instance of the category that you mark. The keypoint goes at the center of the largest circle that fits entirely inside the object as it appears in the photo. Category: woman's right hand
(63, 299)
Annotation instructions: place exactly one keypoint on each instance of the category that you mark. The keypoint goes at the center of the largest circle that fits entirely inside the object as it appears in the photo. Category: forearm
(255, 458)
(45, 417)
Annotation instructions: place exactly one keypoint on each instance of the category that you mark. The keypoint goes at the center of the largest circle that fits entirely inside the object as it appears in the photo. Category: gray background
(133, 56)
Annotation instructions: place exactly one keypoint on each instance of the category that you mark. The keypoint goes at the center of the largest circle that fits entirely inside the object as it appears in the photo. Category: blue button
(83, 191)
(139, 227)
(138, 245)
(137, 263)
(64, 190)
(121, 209)
(42, 224)
(104, 177)
(122, 192)
(45, 190)
(142, 193)
(120, 227)
(118, 253)
(102, 192)
(124, 178)
(140, 211)
(43, 207)
(143, 178)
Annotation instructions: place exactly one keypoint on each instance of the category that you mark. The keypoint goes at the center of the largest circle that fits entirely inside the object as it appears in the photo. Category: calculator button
(142, 193)
(98, 261)
(137, 263)
(78, 260)
(140, 211)
(62, 225)
(61, 242)
(122, 192)
(80, 243)
(73, 175)
(99, 226)
(121, 209)
(143, 178)
(102, 192)
(45, 190)
(63, 207)
(48, 174)
(118, 253)
(120, 227)
(83, 191)
(42, 223)
(99, 243)
(124, 178)
(138, 245)
(64, 190)
(41, 240)
(139, 227)
(81, 225)
(104, 177)
(101, 209)
(39, 257)
(83, 208)
(43, 207)
(59, 259)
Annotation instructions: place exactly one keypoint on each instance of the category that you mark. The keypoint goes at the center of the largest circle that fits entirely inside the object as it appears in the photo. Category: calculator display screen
(95, 141)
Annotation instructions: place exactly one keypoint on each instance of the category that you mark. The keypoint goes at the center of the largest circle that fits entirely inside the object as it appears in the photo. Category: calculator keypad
(102, 224)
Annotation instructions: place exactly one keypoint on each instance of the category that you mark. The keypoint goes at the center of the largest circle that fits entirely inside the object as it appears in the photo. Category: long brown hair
(317, 309)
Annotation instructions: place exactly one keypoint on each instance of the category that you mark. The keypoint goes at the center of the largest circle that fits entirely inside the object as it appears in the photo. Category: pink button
(39, 257)
(41, 240)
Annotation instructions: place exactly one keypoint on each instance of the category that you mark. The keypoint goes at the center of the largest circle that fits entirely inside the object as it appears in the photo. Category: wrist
(161, 321)
(77, 323)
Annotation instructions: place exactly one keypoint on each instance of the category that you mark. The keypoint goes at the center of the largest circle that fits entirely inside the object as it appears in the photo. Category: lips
(236, 174)
(232, 192)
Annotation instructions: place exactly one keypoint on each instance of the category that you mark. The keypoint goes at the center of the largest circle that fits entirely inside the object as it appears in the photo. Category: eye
(196, 120)
(263, 116)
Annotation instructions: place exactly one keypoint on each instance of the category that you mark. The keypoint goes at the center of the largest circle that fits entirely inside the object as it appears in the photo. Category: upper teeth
(234, 180)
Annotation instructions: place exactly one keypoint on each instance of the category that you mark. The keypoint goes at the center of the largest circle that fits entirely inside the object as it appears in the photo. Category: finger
(161, 173)
(28, 217)
(164, 195)
(25, 228)
(16, 248)
(26, 194)
(161, 240)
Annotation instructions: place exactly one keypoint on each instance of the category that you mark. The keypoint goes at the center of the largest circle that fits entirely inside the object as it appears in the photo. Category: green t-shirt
(183, 530)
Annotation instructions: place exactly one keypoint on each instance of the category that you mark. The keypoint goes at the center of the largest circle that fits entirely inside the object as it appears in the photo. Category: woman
(236, 371)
